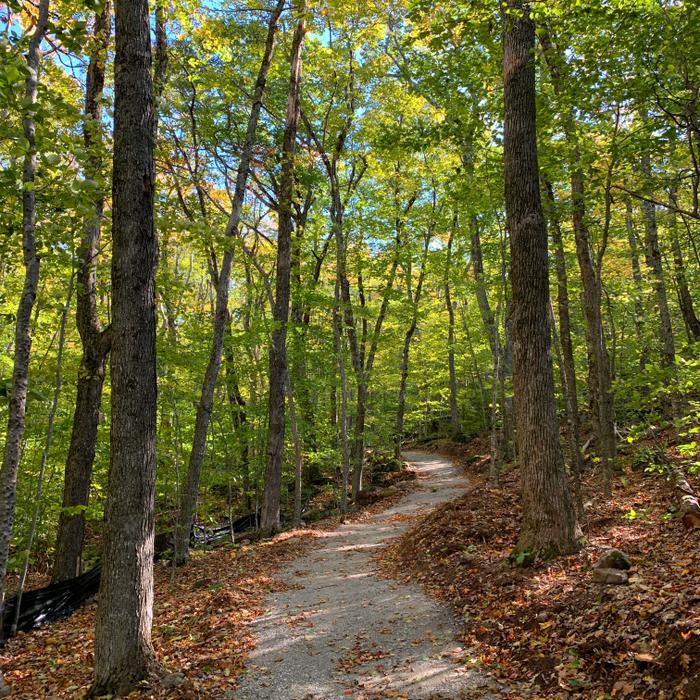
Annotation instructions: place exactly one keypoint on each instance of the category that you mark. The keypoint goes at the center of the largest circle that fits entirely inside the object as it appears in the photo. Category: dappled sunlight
(358, 630)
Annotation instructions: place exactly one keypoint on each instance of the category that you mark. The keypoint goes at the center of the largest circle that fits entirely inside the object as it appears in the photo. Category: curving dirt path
(343, 632)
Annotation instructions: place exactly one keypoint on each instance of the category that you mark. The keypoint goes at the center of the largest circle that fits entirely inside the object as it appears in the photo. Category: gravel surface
(343, 632)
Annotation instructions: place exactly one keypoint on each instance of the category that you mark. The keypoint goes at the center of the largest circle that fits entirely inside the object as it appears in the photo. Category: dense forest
(247, 249)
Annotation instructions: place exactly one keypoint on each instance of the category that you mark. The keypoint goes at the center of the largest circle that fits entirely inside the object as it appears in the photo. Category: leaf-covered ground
(201, 629)
(549, 630)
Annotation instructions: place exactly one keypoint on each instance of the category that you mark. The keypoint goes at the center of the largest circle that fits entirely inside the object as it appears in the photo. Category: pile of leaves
(549, 630)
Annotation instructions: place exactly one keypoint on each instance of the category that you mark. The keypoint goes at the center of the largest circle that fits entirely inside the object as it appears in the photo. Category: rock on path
(343, 632)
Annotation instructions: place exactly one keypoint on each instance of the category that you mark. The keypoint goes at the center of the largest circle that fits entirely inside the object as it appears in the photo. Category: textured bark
(549, 522)
(95, 340)
(123, 650)
(566, 362)
(23, 335)
(270, 517)
(455, 422)
(204, 406)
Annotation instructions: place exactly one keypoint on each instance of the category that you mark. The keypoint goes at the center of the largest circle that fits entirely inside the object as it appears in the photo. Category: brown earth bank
(549, 630)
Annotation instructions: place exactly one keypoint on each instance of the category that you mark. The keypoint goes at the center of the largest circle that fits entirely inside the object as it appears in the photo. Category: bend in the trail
(342, 631)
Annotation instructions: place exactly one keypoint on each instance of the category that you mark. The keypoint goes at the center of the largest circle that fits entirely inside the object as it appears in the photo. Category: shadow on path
(341, 631)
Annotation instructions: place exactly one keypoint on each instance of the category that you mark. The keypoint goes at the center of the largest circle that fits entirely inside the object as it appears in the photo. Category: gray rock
(614, 559)
(610, 576)
(172, 681)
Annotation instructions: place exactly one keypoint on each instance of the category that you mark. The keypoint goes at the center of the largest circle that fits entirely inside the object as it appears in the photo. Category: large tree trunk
(23, 336)
(549, 521)
(270, 518)
(123, 650)
(95, 340)
(204, 407)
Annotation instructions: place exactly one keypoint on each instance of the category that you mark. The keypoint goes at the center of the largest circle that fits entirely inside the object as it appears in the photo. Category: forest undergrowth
(549, 630)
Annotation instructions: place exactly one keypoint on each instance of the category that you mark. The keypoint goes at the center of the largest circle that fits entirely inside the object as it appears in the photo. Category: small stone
(614, 559)
(172, 681)
(610, 576)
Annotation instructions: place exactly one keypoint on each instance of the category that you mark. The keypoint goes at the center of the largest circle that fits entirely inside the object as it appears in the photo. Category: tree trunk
(301, 318)
(95, 340)
(415, 301)
(344, 426)
(491, 326)
(204, 407)
(638, 286)
(567, 365)
(123, 650)
(270, 518)
(238, 408)
(298, 455)
(549, 521)
(653, 259)
(481, 296)
(23, 336)
(685, 299)
(358, 445)
(38, 495)
(455, 423)
(599, 362)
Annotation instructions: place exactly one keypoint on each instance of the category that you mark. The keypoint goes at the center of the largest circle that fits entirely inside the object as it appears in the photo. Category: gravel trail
(343, 632)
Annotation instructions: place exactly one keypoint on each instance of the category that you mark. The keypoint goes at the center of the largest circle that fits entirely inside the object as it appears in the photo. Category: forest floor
(341, 611)
(550, 629)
